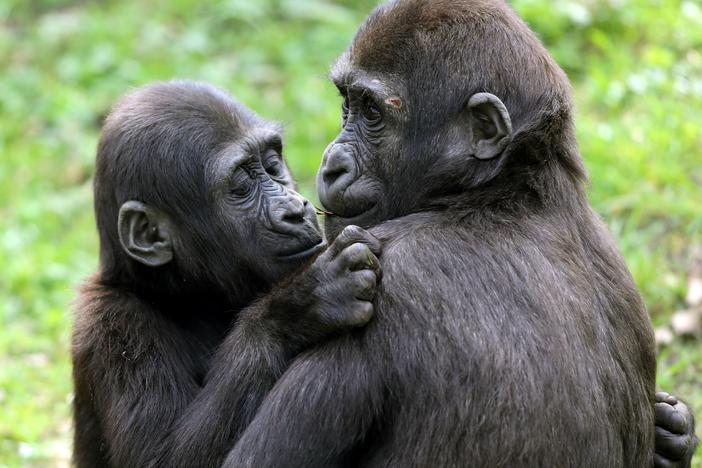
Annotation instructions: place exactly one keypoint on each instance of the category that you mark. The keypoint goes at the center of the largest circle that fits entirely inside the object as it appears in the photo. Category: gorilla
(188, 325)
(213, 276)
(508, 331)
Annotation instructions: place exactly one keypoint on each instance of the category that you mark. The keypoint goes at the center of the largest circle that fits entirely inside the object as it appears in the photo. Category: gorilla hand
(347, 276)
(675, 433)
(332, 294)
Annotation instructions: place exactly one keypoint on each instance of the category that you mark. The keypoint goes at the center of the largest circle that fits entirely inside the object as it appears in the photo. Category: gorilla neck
(552, 178)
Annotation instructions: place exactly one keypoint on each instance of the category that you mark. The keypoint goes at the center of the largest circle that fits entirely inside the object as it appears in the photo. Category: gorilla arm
(154, 412)
(330, 397)
(320, 409)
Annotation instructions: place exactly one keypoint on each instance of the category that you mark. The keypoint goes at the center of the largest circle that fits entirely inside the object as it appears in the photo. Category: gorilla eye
(241, 183)
(272, 164)
(274, 168)
(240, 190)
(371, 111)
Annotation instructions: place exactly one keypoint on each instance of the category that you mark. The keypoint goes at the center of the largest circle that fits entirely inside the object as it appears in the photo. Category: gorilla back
(521, 344)
(508, 330)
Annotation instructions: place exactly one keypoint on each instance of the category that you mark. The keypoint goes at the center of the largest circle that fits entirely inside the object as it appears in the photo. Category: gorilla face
(357, 176)
(396, 154)
(261, 218)
(202, 189)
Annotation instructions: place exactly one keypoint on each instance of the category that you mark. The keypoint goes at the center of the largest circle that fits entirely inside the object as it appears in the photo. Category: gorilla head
(441, 98)
(192, 191)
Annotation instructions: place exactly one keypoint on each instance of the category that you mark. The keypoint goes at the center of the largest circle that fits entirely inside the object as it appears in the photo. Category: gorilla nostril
(293, 217)
(294, 211)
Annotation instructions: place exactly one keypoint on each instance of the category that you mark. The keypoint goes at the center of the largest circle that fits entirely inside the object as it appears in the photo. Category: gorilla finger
(348, 236)
(659, 461)
(361, 313)
(364, 285)
(673, 446)
(665, 397)
(373, 244)
(358, 256)
(353, 234)
(685, 411)
(670, 418)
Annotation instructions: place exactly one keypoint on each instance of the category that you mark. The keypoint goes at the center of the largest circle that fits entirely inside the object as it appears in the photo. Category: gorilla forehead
(460, 47)
(181, 112)
(159, 142)
(392, 30)
(179, 125)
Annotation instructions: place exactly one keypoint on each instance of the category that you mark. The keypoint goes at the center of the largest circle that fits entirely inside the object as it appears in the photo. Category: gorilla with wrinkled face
(213, 276)
(508, 331)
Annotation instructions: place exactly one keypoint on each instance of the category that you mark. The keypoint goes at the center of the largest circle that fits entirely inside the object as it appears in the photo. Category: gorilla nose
(288, 213)
(340, 169)
(295, 212)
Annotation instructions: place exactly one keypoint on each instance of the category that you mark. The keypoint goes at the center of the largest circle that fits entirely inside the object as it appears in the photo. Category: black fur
(508, 330)
(676, 441)
(182, 332)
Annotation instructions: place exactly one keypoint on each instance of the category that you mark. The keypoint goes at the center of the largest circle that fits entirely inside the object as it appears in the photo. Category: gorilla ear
(491, 126)
(144, 233)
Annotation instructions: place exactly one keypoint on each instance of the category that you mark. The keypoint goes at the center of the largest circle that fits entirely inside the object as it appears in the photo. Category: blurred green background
(636, 67)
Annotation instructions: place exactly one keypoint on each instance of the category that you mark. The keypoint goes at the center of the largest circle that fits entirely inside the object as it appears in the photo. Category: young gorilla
(173, 349)
(508, 331)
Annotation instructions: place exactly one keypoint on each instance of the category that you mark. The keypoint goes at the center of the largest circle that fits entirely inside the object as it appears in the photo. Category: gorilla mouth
(307, 250)
(348, 204)
(352, 200)
(354, 215)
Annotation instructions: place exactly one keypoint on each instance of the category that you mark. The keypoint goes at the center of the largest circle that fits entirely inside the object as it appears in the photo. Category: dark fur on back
(497, 342)
(544, 331)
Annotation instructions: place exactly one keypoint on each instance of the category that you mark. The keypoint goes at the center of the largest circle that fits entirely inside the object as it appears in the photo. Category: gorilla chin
(356, 203)
(335, 222)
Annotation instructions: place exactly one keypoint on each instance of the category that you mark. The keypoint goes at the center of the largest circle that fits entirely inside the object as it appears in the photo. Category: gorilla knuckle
(675, 419)
(362, 313)
(356, 256)
(358, 251)
(683, 444)
(678, 422)
(351, 234)
(667, 398)
(353, 231)
(355, 314)
(366, 279)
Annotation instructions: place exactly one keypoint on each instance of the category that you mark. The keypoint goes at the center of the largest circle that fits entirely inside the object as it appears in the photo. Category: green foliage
(636, 68)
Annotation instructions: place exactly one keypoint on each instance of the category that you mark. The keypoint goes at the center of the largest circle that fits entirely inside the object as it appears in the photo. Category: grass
(636, 68)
